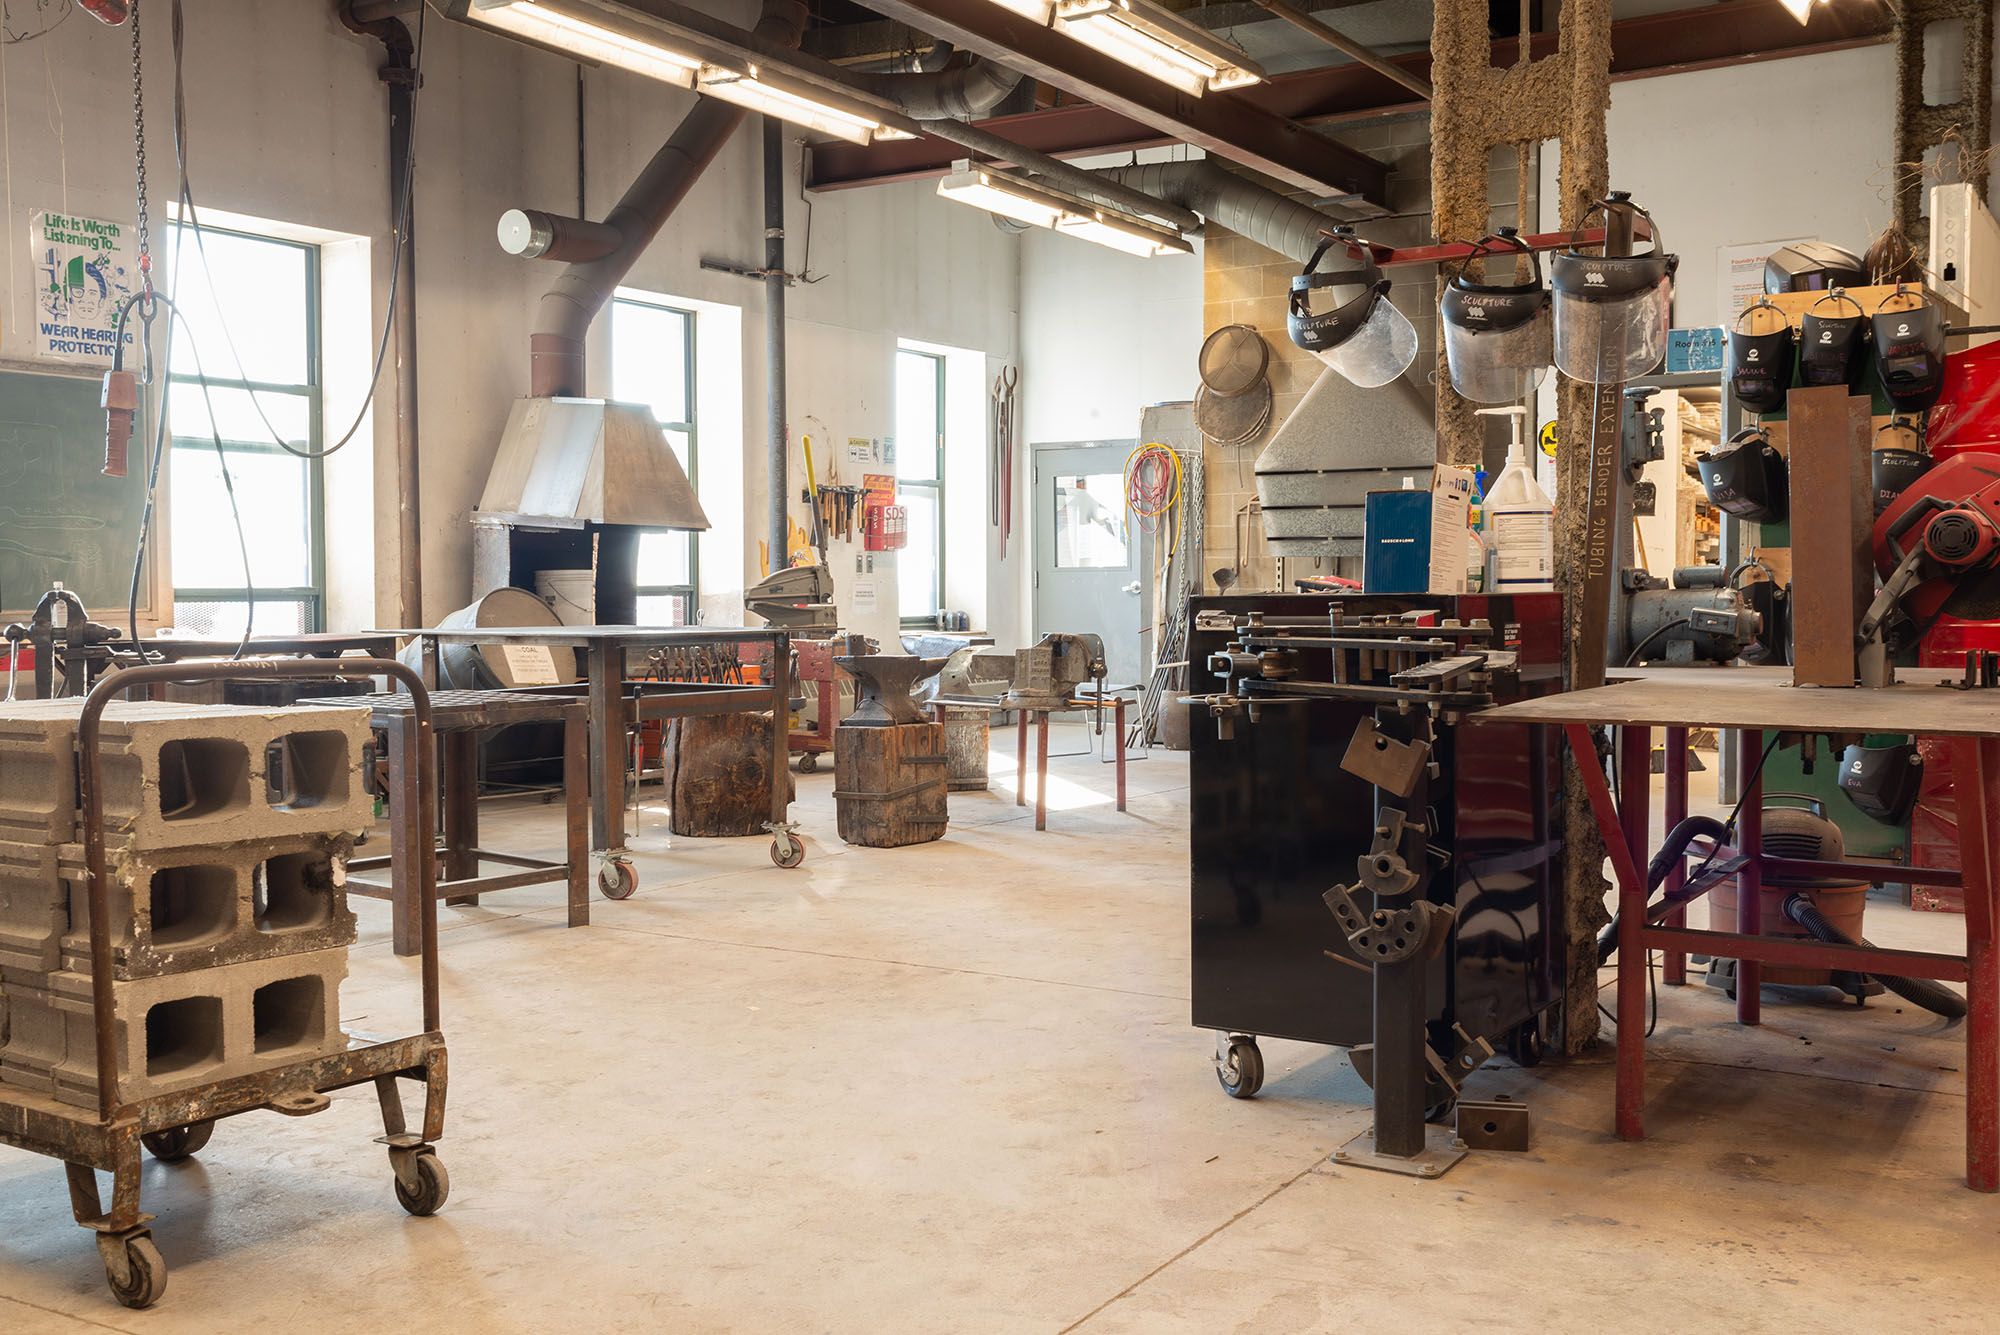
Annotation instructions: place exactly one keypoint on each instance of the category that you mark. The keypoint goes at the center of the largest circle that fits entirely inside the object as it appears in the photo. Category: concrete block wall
(179, 775)
(1244, 283)
(176, 1031)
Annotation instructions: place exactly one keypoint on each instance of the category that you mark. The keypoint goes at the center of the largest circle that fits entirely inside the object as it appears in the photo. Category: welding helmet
(1833, 341)
(1611, 311)
(1497, 337)
(1812, 266)
(1883, 782)
(1360, 334)
(1760, 365)
(1891, 468)
(1747, 477)
(1909, 353)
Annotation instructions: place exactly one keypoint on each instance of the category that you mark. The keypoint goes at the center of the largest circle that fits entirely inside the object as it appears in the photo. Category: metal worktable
(1751, 702)
(614, 710)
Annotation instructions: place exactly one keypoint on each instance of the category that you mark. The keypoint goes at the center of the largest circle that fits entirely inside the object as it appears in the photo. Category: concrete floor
(954, 1088)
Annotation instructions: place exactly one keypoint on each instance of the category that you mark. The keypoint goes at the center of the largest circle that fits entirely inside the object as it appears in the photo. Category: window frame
(691, 591)
(312, 596)
(934, 484)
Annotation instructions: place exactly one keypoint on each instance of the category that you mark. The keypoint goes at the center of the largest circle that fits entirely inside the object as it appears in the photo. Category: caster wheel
(616, 879)
(788, 851)
(1442, 1110)
(1240, 1070)
(180, 1144)
(808, 762)
(1525, 1045)
(133, 1268)
(433, 1187)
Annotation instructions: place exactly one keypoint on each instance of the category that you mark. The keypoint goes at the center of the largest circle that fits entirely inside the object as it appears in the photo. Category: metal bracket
(1383, 868)
(1499, 1124)
(1389, 764)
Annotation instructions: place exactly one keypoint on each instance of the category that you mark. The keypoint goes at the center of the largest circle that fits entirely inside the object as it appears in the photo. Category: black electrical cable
(402, 229)
(1640, 647)
(159, 453)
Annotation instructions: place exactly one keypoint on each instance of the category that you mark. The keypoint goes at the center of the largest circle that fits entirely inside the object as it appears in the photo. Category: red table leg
(1750, 881)
(1118, 725)
(1976, 762)
(1042, 770)
(1631, 955)
(1021, 759)
(1675, 971)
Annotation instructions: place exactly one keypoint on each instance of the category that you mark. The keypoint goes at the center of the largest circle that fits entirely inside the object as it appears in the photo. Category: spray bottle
(1520, 521)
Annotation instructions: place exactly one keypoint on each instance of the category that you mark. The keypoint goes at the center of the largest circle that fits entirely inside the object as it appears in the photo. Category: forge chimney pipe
(567, 308)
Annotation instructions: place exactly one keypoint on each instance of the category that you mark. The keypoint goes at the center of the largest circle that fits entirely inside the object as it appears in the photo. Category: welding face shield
(1833, 342)
(1760, 365)
(1611, 311)
(1498, 341)
(1352, 326)
(1909, 353)
(1747, 478)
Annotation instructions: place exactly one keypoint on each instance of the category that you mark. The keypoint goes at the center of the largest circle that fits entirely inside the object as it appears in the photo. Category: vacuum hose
(1932, 996)
(1671, 852)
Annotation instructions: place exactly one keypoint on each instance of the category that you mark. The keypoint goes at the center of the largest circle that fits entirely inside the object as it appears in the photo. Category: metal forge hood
(570, 462)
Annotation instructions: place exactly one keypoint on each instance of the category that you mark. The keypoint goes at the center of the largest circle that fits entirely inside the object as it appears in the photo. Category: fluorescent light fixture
(996, 192)
(774, 94)
(1124, 232)
(591, 31)
(1801, 9)
(1040, 205)
(1158, 42)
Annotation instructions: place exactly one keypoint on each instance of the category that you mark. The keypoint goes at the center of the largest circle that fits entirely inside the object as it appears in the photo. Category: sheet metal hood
(569, 462)
(1339, 444)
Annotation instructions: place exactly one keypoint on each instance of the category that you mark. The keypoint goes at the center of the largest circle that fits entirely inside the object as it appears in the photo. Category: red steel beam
(1740, 32)
(1229, 125)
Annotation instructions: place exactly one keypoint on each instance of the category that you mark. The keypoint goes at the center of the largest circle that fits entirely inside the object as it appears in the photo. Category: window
(1090, 522)
(652, 362)
(259, 295)
(920, 483)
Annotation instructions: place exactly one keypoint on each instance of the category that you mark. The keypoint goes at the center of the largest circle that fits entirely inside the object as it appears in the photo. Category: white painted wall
(1780, 149)
(288, 122)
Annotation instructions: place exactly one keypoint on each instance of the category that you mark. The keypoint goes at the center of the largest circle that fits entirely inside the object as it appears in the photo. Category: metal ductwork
(573, 300)
(963, 92)
(1244, 207)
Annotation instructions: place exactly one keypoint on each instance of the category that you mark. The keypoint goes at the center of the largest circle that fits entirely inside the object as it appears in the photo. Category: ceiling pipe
(1264, 216)
(958, 93)
(1341, 42)
(567, 308)
(399, 76)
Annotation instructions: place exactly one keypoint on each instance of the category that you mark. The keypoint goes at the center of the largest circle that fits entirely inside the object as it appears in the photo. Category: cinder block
(177, 775)
(177, 1031)
(34, 907)
(38, 770)
(196, 908)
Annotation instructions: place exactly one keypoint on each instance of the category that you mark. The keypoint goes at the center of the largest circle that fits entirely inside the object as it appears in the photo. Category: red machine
(1943, 537)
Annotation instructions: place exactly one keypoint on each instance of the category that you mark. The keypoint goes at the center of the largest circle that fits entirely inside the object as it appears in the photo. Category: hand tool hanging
(1003, 451)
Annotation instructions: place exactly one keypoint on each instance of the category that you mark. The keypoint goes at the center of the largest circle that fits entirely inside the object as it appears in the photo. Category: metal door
(1093, 560)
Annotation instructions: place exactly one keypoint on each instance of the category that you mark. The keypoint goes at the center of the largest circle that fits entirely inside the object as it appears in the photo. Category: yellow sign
(1549, 438)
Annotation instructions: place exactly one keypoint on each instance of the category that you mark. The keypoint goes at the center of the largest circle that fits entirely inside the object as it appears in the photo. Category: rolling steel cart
(175, 1126)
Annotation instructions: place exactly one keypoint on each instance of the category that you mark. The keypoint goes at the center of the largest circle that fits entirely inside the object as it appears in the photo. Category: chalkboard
(60, 517)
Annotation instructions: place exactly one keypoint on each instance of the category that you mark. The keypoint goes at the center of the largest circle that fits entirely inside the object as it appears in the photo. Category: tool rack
(177, 1125)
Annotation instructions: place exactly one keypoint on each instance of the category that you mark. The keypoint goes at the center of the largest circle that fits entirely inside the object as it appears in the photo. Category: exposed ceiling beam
(1740, 32)
(1232, 126)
